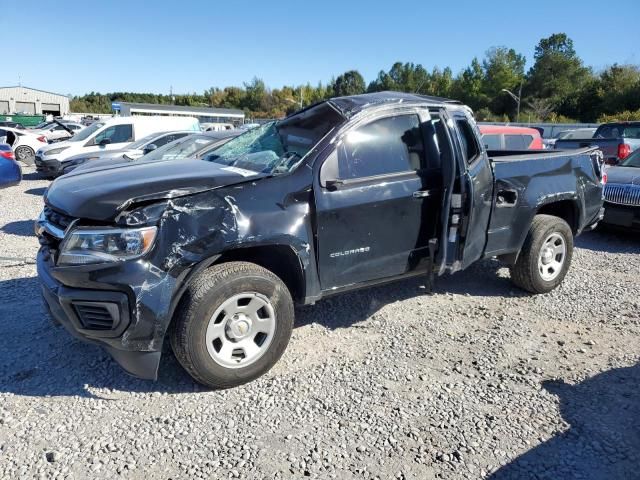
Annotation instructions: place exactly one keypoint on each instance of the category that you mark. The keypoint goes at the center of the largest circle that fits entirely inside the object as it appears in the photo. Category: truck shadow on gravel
(39, 359)
(38, 192)
(603, 438)
(23, 228)
(610, 241)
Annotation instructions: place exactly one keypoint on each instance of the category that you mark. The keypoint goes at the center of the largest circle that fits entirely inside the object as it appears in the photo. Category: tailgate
(608, 146)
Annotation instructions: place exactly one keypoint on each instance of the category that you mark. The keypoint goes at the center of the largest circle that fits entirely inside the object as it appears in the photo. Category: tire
(26, 155)
(204, 325)
(538, 269)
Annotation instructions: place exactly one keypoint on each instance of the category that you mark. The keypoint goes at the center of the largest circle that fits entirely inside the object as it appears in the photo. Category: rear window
(618, 131)
(492, 142)
(517, 142)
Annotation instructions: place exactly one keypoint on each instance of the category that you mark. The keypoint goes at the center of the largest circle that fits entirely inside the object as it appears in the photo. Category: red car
(498, 137)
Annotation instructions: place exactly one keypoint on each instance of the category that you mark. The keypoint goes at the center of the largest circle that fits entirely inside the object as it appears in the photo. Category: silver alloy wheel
(241, 330)
(552, 256)
(24, 154)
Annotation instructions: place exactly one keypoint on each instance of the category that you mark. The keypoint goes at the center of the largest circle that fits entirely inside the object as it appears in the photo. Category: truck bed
(526, 180)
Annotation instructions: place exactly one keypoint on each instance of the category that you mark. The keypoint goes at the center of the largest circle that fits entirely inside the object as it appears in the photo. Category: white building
(14, 100)
(204, 114)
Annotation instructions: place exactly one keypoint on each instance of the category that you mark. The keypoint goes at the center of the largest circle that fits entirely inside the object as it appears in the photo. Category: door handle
(422, 194)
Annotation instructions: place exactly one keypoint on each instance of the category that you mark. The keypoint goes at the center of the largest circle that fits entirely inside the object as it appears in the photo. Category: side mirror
(149, 148)
(104, 141)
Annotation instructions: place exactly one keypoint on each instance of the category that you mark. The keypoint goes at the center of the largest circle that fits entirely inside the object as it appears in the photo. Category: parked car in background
(622, 194)
(110, 135)
(58, 131)
(195, 146)
(24, 143)
(497, 137)
(12, 125)
(576, 134)
(616, 140)
(54, 167)
(10, 171)
(347, 193)
(217, 127)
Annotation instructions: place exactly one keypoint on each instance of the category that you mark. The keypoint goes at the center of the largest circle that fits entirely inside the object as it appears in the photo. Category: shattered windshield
(278, 147)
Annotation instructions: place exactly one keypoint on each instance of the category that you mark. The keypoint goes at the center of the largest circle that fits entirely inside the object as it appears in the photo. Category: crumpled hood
(100, 194)
(630, 175)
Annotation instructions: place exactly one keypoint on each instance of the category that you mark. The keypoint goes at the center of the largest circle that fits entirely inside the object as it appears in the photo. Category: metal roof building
(204, 114)
(20, 99)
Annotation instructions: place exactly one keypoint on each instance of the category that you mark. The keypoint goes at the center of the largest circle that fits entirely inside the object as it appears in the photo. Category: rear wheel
(25, 154)
(545, 256)
(232, 325)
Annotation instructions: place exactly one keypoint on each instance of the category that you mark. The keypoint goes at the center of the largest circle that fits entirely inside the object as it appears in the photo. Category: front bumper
(101, 304)
(51, 167)
(624, 216)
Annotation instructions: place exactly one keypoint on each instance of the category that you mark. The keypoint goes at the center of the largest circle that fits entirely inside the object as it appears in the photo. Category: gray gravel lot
(477, 380)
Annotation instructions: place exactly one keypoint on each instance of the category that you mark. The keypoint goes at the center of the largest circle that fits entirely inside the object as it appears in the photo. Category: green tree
(468, 86)
(349, 83)
(557, 73)
(503, 69)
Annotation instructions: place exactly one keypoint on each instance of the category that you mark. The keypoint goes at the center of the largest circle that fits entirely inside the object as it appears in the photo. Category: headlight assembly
(98, 245)
(54, 151)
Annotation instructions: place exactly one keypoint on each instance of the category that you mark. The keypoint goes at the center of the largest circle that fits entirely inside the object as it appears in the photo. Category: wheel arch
(278, 259)
(567, 210)
(281, 260)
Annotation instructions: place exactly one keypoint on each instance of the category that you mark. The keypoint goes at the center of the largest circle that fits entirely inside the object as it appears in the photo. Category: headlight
(54, 151)
(89, 245)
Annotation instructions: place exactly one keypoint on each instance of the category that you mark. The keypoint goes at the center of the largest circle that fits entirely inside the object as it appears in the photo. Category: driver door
(376, 204)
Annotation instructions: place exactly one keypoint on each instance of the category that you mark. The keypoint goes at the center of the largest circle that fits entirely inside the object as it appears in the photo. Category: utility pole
(173, 99)
(517, 99)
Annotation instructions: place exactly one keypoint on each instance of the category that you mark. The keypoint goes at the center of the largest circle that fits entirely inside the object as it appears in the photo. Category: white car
(25, 143)
(56, 131)
(109, 135)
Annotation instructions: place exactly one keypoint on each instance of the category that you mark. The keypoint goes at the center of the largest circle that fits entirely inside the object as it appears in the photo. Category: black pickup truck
(351, 192)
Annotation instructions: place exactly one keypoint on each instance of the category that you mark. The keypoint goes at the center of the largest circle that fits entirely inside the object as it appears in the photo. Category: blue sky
(81, 46)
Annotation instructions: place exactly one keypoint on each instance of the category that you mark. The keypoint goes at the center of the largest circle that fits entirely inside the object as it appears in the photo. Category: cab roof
(354, 104)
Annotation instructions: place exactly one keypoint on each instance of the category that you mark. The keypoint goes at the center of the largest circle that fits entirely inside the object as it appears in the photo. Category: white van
(114, 134)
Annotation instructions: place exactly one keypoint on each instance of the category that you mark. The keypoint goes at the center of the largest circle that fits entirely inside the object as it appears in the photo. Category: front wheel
(232, 325)
(545, 256)
(25, 154)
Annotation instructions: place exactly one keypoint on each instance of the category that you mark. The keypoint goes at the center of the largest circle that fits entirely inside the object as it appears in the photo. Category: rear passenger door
(477, 196)
(376, 205)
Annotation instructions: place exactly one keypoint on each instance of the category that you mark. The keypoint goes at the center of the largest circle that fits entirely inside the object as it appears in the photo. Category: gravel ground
(476, 380)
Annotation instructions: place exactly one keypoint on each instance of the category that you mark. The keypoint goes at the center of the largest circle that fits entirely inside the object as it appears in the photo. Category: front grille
(57, 219)
(622, 194)
(94, 316)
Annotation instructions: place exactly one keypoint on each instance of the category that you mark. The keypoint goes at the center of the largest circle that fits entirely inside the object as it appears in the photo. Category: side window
(168, 139)
(387, 145)
(492, 142)
(116, 133)
(163, 140)
(470, 148)
(515, 142)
